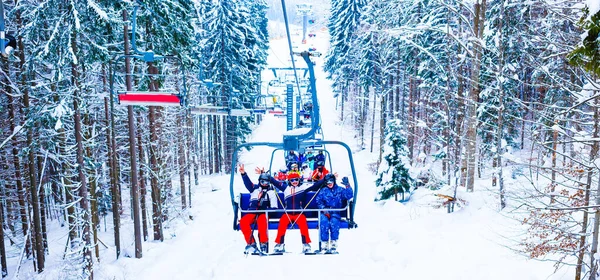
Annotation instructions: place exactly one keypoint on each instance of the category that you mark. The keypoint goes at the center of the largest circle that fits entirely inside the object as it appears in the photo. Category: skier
(319, 172)
(320, 157)
(306, 172)
(301, 158)
(262, 197)
(295, 200)
(282, 174)
(295, 171)
(291, 158)
(331, 198)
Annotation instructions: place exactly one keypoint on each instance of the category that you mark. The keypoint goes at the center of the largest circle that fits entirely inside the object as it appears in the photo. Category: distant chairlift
(211, 107)
(152, 86)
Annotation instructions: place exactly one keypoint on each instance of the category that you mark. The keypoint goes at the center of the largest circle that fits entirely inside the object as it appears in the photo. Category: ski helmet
(264, 177)
(330, 178)
(293, 175)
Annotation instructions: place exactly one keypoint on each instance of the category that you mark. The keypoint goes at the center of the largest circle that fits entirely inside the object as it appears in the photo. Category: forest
(467, 84)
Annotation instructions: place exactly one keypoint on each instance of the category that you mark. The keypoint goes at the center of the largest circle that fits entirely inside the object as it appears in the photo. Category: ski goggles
(330, 182)
(294, 180)
(263, 182)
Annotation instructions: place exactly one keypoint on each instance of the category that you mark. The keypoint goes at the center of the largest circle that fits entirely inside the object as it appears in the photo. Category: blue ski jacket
(320, 157)
(332, 198)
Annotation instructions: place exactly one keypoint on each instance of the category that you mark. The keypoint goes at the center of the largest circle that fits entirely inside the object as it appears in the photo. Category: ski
(325, 252)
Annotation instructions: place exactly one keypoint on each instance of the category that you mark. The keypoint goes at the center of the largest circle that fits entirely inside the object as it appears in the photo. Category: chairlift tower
(304, 10)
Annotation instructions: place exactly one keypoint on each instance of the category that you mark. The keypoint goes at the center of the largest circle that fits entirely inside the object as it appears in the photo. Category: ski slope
(414, 240)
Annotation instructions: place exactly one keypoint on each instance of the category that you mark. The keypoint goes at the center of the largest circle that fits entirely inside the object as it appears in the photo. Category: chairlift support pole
(304, 10)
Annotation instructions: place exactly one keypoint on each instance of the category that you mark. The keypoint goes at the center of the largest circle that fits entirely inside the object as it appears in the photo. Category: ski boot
(332, 247)
(264, 247)
(250, 249)
(279, 248)
(306, 248)
(324, 246)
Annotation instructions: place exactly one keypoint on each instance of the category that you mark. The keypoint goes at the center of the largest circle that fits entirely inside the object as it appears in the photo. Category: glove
(345, 181)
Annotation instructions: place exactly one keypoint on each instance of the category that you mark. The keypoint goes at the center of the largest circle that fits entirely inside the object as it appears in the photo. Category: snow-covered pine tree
(235, 56)
(394, 172)
(344, 23)
(588, 53)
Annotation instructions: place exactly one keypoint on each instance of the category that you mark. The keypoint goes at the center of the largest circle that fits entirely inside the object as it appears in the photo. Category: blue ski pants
(330, 225)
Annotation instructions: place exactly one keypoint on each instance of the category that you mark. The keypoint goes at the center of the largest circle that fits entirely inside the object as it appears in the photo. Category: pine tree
(235, 52)
(394, 174)
(588, 53)
(344, 30)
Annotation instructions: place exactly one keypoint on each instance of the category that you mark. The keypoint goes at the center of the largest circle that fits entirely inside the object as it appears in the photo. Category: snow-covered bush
(393, 174)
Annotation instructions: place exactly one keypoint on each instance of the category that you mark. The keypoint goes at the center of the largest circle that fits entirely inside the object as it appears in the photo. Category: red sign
(149, 99)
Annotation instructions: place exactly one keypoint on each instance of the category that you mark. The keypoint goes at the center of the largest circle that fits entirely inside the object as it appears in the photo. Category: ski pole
(295, 220)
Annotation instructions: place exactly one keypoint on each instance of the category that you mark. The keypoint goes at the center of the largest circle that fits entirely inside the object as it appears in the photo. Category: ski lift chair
(149, 87)
(157, 82)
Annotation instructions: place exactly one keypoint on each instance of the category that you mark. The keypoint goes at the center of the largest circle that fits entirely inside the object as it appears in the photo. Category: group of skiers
(263, 196)
(313, 166)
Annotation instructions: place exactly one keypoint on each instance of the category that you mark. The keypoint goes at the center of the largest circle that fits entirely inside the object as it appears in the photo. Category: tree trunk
(553, 171)
(133, 167)
(593, 155)
(209, 142)
(499, 133)
(143, 187)
(471, 137)
(343, 100)
(13, 121)
(192, 155)
(35, 202)
(181, 160)
(93, 188)
(382, 120)
(410, 139)
(373, 121)
(2, 247)
(112, 173)
(217, 144)
(83, 188)
(156, 203)
(42, 205)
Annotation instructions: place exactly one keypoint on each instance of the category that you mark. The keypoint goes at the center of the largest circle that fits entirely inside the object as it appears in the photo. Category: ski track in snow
(393, 241)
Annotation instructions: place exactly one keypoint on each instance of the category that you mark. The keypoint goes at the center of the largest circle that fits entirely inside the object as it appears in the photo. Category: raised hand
(242, 169)
(345, 181)
(259, 170)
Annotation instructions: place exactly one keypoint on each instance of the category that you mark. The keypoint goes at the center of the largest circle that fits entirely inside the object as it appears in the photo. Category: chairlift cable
(289, 38)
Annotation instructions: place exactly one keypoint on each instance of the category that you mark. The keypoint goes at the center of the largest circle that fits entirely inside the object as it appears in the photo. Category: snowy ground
(393, 241)
(415, 240)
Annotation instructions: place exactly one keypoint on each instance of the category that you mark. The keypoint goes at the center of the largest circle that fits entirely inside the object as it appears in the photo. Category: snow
(297, 131)
(413, 240)
(594, 6)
